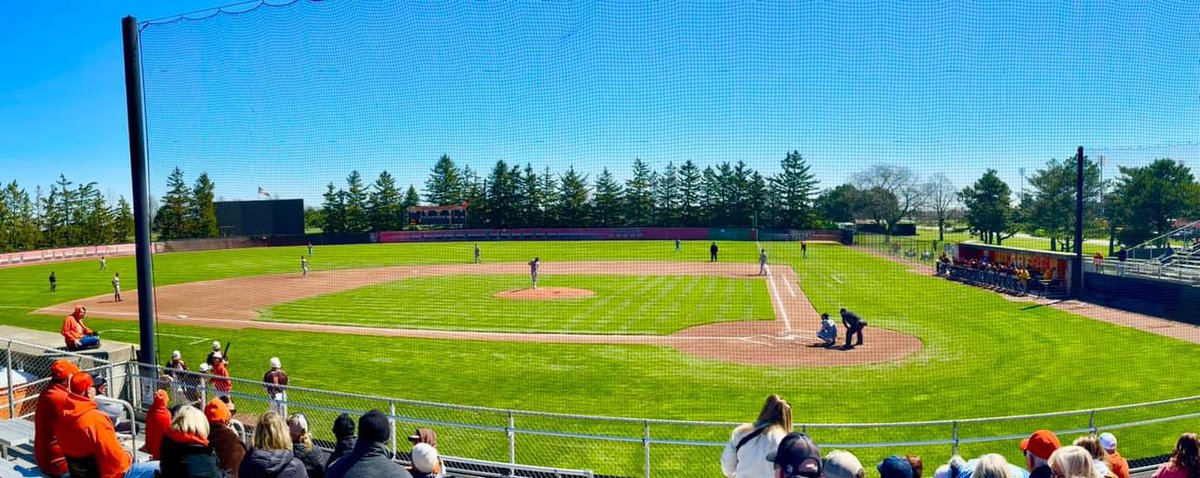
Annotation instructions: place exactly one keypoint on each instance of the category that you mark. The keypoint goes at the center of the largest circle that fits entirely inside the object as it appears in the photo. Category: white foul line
(835, 278)
(788, 285)
(748, 339)
(775, 296)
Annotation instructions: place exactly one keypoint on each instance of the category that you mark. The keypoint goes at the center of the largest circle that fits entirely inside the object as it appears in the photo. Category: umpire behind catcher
(854, 326)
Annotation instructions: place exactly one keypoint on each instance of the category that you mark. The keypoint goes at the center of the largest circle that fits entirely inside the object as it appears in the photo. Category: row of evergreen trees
(186, 212)
(727, 194)
(67, 215)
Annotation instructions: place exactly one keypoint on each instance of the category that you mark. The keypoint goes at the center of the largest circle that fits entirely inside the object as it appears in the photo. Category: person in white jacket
(745, 455)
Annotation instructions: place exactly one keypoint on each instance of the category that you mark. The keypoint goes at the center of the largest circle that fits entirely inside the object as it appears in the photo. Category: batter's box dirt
(234, 304)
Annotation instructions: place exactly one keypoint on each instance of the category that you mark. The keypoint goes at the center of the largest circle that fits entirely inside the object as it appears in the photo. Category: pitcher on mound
(533, 271)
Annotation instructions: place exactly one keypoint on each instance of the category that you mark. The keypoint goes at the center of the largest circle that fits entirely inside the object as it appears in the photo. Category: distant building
(450, 216)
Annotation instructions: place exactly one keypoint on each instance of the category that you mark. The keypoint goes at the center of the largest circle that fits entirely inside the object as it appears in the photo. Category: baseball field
(648, 332)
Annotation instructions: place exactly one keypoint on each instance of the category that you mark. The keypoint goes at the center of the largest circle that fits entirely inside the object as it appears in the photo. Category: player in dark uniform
(712, 252)
(854, 326)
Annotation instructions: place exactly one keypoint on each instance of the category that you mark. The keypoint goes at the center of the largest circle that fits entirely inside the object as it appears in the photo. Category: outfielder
(116, 283)
(303, 267)
(309, 248)
(762, 263)
(476, 253)
(533, 270)
(678, 246)
(103, 264)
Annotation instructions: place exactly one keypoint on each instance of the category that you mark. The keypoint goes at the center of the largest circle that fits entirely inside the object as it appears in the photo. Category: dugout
(1059, 263)
(272, 217)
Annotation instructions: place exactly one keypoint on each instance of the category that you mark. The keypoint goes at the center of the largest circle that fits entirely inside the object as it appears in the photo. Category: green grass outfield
(622, 304)
(984, 355)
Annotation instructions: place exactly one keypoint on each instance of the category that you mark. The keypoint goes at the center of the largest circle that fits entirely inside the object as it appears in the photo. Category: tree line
(65, 215)
(511, 195)
(186, 212)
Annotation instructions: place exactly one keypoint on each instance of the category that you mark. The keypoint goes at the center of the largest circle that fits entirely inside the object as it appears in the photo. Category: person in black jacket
(302, 446)
(185, 450)
(370, 457)
(712, 252)
(272, 455)
(854, 326)
(343, 431)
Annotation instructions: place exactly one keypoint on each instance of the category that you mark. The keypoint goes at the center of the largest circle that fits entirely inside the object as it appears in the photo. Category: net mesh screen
(641, 210)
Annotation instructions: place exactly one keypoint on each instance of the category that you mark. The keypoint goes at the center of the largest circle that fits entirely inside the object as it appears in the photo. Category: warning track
(786, 342)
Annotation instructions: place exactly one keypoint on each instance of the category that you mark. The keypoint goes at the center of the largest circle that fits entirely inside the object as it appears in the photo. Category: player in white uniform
(303, 266)
(116, 283)
(476, 253)
(762, 263)
(103, 264)
(533, 270)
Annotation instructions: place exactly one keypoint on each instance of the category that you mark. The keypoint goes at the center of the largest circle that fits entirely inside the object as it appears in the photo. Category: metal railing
(559, 443)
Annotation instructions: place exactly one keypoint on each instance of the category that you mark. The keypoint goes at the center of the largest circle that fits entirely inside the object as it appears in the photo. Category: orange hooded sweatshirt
(84, 431)
(50, 405)
(73, 329)
(158, 421)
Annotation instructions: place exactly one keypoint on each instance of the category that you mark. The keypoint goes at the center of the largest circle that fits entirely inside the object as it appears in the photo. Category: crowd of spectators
(768, 448)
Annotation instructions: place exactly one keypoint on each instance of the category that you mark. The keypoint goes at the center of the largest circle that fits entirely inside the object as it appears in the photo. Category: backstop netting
(558, 211)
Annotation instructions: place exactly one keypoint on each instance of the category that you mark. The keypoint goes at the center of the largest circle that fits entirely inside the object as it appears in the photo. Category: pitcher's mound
(544, 293)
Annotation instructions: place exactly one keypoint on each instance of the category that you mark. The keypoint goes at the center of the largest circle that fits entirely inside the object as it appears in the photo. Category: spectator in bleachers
(343, 432)
(917, 465)
(750, 443)
(226, 442)
(1099, 456)
(221, 382)
(1072, 462)
(272, 455)
(275, 381)
(992, 465)
(1038, 448)
(50, 405)
(1185, 460)
(423, 435)
(1116, 463)
(186, 452)
(796, 457)
(894, 467)
(952, 469)
(89, 441)
(76, 335)
(843, 464)
(158, 420)
(115, 411)
(967, 469)
(370, 457)
(302, 446)
(425, 462)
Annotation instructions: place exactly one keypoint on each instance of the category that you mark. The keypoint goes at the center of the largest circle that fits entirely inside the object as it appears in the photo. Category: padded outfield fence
(510, 442)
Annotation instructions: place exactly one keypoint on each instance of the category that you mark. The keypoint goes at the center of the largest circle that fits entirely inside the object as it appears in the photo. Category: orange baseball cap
(217, 412)
(1041, 444)
(63, 368)
(81, 382)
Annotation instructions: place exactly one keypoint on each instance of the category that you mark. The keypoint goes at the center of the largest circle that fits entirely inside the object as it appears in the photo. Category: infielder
(712, 252)
(303, 267)
(309, 248)
(854, 325)
(103, 264)
(762, 263)
(116, 283)
(53, 282)
(533, 270)
(476, 253)
(678, 246)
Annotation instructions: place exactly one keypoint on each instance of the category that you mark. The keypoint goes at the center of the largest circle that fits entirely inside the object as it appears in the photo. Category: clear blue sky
(289, 98)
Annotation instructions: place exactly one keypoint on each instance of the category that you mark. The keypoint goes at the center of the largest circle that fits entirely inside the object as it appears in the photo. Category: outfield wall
(614, 233)
(65, 254)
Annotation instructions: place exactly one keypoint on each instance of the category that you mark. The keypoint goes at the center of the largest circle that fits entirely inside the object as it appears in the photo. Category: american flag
(263, 192)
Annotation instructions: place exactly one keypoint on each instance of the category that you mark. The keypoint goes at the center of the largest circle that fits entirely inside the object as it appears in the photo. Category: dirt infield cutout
(788, 341)
(545, 293)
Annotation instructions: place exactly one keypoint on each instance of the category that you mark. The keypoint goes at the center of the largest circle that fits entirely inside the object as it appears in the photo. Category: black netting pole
(141, 191)
(1077, 270)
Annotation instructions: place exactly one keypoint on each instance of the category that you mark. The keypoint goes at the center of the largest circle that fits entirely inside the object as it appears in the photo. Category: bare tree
(901, 183)
(942, 197)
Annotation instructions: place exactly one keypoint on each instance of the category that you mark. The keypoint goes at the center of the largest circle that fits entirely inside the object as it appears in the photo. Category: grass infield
(984, 355)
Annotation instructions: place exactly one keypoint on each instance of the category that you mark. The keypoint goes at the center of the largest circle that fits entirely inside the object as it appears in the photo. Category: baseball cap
(176, 355)
(1108, 441)
(895, 467)
(1041, 444)
(275, 362)
(204, 368)
(99, 382)
(842, 464)
(217, 411)
(424, 457)
(216, 345)
(797, 455)
(81, 382)
(63, 368)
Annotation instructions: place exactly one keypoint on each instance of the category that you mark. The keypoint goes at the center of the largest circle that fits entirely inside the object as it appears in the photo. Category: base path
(786, 342)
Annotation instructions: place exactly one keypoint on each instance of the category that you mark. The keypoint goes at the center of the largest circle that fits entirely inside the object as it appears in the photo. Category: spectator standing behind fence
(1185, 460)
(1072, 462)
(89, 441)
(222, 385)
(343, 432)
(272, 455)
(158, 420)
(229, 446)
(275, 381)
(370, 457)
(50, 405)
(302, 446)
(745, 454)
(186, 452)
(1116, 463)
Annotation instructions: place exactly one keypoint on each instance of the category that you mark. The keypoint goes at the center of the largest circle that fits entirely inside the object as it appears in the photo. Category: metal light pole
(141, 189)
(1077, 269)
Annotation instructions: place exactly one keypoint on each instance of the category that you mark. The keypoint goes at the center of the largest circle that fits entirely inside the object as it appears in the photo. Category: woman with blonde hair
(185, 449)
(272, 455)
(1099, 457)
(302, 446)
(1185, 460)
(746, 454)
(1072, 462)
(992, 465)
